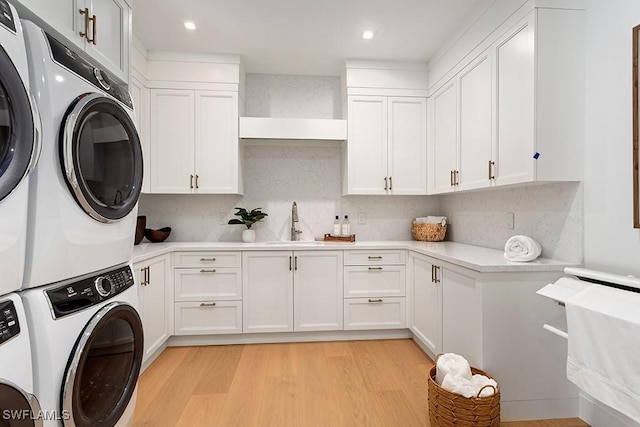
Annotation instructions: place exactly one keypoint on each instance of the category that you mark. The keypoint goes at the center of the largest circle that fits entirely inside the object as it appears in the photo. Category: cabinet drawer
(374, 313)
(208, 259)
(201, 284)
(374, 281)
(202, 318)
(373, 257)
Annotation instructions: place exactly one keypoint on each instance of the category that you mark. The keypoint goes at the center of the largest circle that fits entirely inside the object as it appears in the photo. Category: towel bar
(555, 331)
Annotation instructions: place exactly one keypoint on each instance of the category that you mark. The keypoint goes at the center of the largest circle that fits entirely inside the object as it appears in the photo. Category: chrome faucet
(295, 233)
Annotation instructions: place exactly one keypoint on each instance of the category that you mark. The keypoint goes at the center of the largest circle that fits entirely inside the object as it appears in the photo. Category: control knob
(104, 286)
(102, 78)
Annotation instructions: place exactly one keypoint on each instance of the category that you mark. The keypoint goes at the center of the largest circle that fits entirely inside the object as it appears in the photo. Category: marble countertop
(476, 258)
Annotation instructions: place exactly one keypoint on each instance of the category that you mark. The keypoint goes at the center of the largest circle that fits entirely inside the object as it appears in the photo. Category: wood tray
(329, 238)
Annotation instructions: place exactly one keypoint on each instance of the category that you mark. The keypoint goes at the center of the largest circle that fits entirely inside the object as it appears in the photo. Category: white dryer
(87, 345)
(85, 189)
(18, 406)
(19, 148)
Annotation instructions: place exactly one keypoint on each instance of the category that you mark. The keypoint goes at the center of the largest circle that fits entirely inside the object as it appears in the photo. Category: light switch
(509, 220)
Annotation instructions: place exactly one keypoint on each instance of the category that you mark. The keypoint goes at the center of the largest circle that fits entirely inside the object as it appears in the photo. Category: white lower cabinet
(207, 293)
(154, 290)
(425, 313)
(273, 280)
(374, 289)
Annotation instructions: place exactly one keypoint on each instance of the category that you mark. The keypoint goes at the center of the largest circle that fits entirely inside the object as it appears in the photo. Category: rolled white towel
(451, 363)
(480, 381)
(437, 220)
(420, 220)
(522, 249)
(457, 384)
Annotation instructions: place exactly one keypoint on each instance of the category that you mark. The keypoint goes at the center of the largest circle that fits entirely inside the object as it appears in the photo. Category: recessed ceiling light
(368, 34)
(190, 25)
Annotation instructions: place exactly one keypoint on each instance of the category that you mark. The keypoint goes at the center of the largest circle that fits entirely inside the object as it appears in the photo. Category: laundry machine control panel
(9, 326)
(77, 295)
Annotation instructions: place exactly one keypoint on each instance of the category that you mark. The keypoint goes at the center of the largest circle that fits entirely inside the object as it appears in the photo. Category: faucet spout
(295, 233)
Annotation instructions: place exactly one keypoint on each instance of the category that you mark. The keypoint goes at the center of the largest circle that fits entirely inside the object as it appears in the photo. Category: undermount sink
(295, 242)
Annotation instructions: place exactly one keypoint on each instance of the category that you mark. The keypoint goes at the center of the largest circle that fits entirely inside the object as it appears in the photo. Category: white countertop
(475, 258)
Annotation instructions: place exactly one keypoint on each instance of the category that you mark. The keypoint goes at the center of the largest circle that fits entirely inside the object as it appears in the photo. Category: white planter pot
(248, 236)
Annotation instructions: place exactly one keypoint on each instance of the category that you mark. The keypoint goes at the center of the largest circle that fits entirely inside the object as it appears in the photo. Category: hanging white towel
(521, 249)
(451, 363)
(603, 348)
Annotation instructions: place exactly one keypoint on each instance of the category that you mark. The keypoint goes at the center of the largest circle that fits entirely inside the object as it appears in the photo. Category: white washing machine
(85, 188)
(87, 345)
(18, 406)
(19, 148)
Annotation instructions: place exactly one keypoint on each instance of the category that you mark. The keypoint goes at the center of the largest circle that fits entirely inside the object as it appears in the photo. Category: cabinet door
(366, 144)
(172, 141)
(374, 313)
(475, 124)
(461, 314)
(407, 146)
(156, 318)
(267, 291)
(140, 96)
(61, 15)
(317, 290)
(515, 61)
(205, 318)
(112, 29)
(444, 139)
(216, 148)
(426, 304)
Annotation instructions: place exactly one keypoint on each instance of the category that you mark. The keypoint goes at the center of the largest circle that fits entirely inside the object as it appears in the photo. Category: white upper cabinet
(386, 145)
(195, 142)
(101, 28)
(514, 112)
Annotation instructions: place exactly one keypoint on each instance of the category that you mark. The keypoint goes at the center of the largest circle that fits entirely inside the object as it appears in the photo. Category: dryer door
(103, 370)
(19, 409)
(19, 128)
(102, 157)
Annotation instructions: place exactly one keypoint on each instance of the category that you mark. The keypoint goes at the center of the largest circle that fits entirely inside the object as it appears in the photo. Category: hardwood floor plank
(333, 384)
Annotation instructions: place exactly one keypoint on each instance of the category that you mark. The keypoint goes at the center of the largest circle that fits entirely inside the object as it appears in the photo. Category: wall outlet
(222, 218)
(362, 218)
(509, 220)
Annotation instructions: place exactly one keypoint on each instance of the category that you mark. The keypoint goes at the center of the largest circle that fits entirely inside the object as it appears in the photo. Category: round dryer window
(18, 409)
(101, 154)
(19, 128)
(103, 370)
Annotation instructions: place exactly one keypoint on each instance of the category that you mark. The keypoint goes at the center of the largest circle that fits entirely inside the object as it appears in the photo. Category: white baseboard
(542, 409)
(153, 357)
(597, 414)
(282, 337)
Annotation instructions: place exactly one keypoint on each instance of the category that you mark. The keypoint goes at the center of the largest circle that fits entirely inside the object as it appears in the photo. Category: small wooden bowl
(159, 235)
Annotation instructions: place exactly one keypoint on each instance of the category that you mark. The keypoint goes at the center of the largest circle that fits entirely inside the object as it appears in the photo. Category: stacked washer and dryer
(19, 149)
(80, 302)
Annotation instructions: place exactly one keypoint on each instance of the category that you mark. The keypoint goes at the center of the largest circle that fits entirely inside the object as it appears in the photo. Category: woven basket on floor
(448, 409)
(428, 232)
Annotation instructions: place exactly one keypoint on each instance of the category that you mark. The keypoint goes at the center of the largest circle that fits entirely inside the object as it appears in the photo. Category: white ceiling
(312, 37)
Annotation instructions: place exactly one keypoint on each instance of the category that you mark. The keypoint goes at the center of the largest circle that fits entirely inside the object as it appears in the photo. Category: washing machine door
(18, 408)
(102, 158)
(103, 370)
(19, 128)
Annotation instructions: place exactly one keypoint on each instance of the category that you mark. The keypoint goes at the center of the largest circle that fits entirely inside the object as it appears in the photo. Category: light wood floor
(353, 383)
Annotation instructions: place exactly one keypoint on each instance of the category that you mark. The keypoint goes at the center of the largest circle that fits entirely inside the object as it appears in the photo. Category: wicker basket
(428, 232)
(448, 409)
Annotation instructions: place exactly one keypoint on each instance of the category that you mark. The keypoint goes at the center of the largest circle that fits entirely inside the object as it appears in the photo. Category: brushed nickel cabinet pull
(451, 178)
(375, 300)
(93, 40)
(207, 259)
(213, 270)
(191, 181)
(491, 175)
(390, 183)
(143, 282)
(197, 176)
(375, 257)
(385, 184)
(148, 280)
(436, 270)
(456, 177)
(375, 268)
(290, 260)
(433, 273)
(295, 263)
(85, 13)
(205, 304)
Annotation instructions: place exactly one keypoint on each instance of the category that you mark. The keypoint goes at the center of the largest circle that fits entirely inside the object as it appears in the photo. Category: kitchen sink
(295, 243)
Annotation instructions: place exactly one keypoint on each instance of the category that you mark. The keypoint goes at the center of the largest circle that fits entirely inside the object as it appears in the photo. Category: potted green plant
(248, 218)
